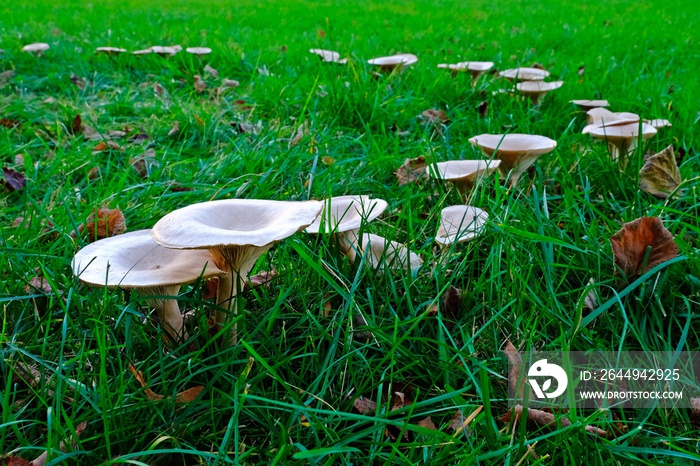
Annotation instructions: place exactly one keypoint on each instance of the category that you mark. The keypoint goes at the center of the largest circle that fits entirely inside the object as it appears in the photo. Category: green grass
(523, 279)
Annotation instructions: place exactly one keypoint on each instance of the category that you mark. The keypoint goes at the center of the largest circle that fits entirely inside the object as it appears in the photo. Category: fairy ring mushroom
(475, 68)
(604, 117)
(517, 152)
(587, 105)
(37, 48)
(164, 51)
(381, 253)
(329, 56)
(390, 63)
(236, 232)
(198, 51)
(109, 50)
(622, 139)
(464, 174)
(134, 261)
(342, 216)
(460, 223)
(524, 74)
(536, 90)
(142, 52)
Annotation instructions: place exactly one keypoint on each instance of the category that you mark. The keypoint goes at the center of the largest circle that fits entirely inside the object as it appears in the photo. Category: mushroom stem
(167, 309)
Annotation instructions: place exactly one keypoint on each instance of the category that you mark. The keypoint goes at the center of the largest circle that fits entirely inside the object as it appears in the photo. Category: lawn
(326, 338)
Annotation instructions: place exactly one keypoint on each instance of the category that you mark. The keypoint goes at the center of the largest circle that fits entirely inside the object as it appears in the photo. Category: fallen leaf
(104, 145)
(211, 71)
(15, 461)
(158, 89)
(434, 116)
(78, 82)
(660, 175)
(103, 223)
(695, 411)
(116, 134)
(76, 125)
(94, 173)
(189, 395)
(321, 33)
(244, 127)
(9, 123)
(515, 382)
(26, 374)
(302, 131)
(326, 160)
(12, 179)
(139, 136)
(41, 459)
(412, 170)
(364, 405)
(38, 283)
(631, 243)
(199, 85)
(229, 83)
(262, 278)
(210, 288)
(427, 423)
(453, 303)
(483, 108)
(175, 129)
(142, 163)
(545, 419)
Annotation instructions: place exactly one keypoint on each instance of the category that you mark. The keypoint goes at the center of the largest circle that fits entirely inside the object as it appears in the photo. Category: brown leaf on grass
(175, 129)
(76, 125)
(660, 175)
(103, 223)
(364, 405)
(544, 419)
(26, 374)
(695, 411)
(139, 136)
(142, 163)
(229, 83)
(199, 85)
(427, 423)
(326, 160)
(211, 71)
(78, 81)
(41, 459)
(515, 381)
(210, 288)
(113, 133)
(104, 145)
(453, 303)
(177, 187)
(15, 461)
(94, 173)
(412, 170)
(241, 105)
(158, 89)
(631, 243)
(434, 117)
(302, 131)
(38, 283)
(262, 278)
(185, 396)
(12, 179)
(189, 395)
(9, 123)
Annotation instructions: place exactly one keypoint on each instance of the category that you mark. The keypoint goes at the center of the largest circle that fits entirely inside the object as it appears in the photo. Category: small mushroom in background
(536, 90)
(622, 139)
(380, 253)
(165, 51)
(198, 51)
(587, 105)
(464, 174)
(517, 152)
(329, 56)
(658, 123)
(394, 62)
(109, 50)
(342, 217)
(475, 68)
(142, 52)
(39, 48)
(604, 117)
(133, 261)
(236, 232)
(524, 74)
(460, 223)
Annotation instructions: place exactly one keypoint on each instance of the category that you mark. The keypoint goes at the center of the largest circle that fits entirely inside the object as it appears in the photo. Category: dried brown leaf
(15, 461)
(103, 223)
(660, 175)
(94, 173)
(27, 374)
(631, 243)
(189, 395)
(175, 129)
(199, 85)
(38, 283)
(412, 170)
(453, 303)
(427, 423)
(516, 383)
(211, 71)
(364, 405)
(210, 288)
(143, 162)
(12, 179)
(229, 83)
(113, 133)
(262, 278)
(544, 419)
(326, 160)
(10, 123)
(434, 116)
(104, 145)
(302, 131)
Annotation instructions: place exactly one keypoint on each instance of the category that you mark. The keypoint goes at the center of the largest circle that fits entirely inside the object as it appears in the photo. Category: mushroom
(37, 48)
(622, 138)
(393, 62)
(329, 56)
(236, 232)
(536, 90)
(524, 74)
(379, 253)
(134, 261)
(604, 117)
(165, 51)
(343, 216)
(590, 104)
(460, 223)
(109, 50)
(517, 152)
(142, 52)
(463, 173)
(658, 123)
(475, 68)
(198, 51)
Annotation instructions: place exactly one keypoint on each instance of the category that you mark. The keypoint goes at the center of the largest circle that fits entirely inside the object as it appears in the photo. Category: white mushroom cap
(381, 252)
(161, 50)
(142, 52)
(524, 74)
(36, 48)
(658, 123)
(329, 56)
(134, 260)
(604, 117)
(590, 104)
(198, 50)
(463, 172)
(536, 89)
(516, 151)
(617, 134)
(109, 50)
(346, 213)
(460, 223)
(468, 66)
(394, 61)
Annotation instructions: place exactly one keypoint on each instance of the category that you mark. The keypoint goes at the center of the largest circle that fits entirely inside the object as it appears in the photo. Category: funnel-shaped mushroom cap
(380, 251)
(516, 151)
(524, 74)
(234, 222)
(142, 52)
(658, 123)
(109, 50)
(537, 87)
(603, 117)
(346, 213)
(460, 223)
(161, 50)
(36, 48)
(590, 104)
(134, 260)
(198, 50)
(394, 61)
(620, 134)
(463, 170)
(329, 56)
(480, 66)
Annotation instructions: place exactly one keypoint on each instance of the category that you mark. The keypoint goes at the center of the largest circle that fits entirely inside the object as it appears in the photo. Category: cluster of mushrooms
(166, 51)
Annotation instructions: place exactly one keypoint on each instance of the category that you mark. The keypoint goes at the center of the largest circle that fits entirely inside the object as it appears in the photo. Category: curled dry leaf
(262, 278)
(143, 162)
(103, 223)
(515, 381)
(427, 423)
(94, 173)
(38, 283)
(104, 145)
(199, 85)
(175, 129)
(185, 396)
(631, 243)
(113, 133)
(545, 419)
(211, 71)
(412, 170)
(364, 405)
(15, 461)
(434, 117)
(229, 83)
(660, 175)
(453, 303)
(12, 179)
